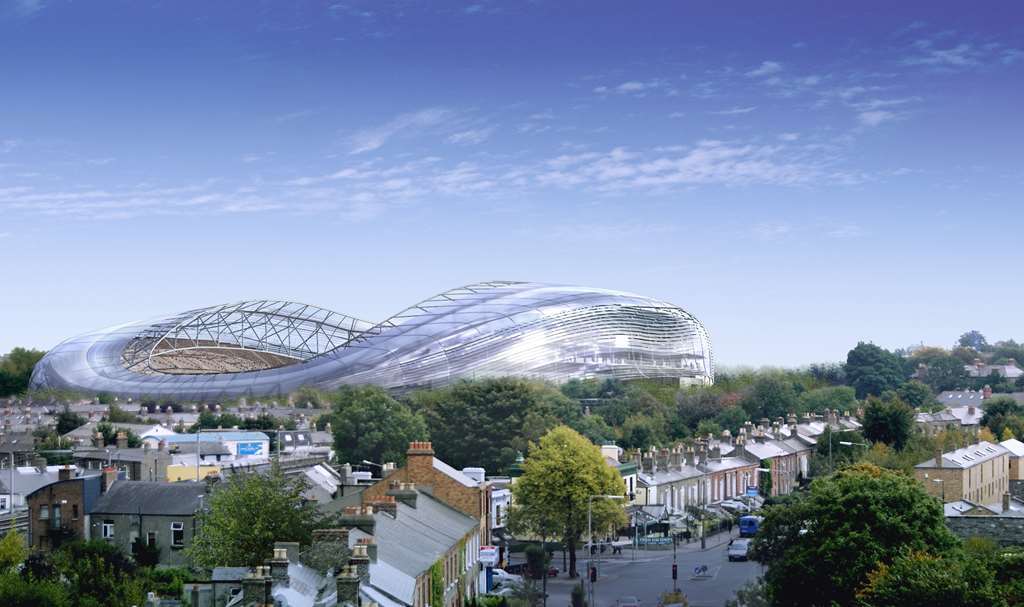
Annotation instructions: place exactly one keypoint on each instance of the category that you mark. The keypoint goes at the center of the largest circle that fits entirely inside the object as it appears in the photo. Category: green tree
(12, 551)
(117, 415)
(973, 340)
(110, 432)
(770, 397)
(247, 514)
(1002, 412)
(731, 418)
(97, 573)
(919, 579)
(888, 421)
(68, 421)
(16, 370)
(369, 424)
(17, 591)
(873, 370)
(642, 432)
(487, 422)
(837, 398)
(945, 373)
(560, 474)
(822, 544)
(916, 394)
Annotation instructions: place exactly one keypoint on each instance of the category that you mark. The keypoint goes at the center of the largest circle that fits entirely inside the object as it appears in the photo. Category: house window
(151, 538)
(177, 534)
(74, 512)
(3, 502)
(108, 529)
(44, 513)
(55, 519)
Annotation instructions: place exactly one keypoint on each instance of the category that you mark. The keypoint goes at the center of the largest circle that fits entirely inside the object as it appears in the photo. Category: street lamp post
(590, 537)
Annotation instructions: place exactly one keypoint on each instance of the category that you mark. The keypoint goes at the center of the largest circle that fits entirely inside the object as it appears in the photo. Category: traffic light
(593, 574)
(675, 572)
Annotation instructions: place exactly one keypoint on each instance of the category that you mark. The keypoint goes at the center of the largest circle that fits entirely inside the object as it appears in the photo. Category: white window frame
(107, 530)
(176, 527)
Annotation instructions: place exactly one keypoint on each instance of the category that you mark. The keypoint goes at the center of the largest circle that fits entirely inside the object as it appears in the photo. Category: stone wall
(1005, 531)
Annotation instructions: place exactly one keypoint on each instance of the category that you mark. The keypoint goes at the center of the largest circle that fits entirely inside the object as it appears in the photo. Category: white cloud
(960, 56)
(736, 111)
(371, 139)
(876, 117)
(471, 137)
(637, 88)
(767, 68)
(789, 136)
(28, 8)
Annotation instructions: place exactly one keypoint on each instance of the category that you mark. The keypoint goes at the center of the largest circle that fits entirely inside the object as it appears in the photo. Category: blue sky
(799, 176)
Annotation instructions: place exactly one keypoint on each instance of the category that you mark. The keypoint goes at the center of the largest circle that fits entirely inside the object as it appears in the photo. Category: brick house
(436, 478)
(978, 473)
(59, 511)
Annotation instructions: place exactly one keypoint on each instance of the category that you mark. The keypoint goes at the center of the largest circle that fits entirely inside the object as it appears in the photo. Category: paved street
(651, 574)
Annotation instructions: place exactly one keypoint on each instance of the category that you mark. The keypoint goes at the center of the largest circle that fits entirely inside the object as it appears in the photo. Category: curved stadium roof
(489, 329)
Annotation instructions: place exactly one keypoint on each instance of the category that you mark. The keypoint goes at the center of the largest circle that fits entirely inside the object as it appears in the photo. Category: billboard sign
(251, 448)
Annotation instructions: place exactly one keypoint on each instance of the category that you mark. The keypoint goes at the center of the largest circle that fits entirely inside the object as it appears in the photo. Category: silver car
(739, 550)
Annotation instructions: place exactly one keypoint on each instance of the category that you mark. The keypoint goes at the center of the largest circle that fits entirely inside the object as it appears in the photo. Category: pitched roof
(967, 457)
(1014, 446)
(454, 474)
(144, 497)
(227, 435)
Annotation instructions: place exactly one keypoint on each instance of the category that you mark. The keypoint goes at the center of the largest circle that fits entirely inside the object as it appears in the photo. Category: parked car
(503, 577)
(627, 601)
(735, 506)
(739, 550)
(552, 571)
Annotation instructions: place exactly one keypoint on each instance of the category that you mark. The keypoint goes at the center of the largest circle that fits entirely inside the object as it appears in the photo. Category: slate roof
(412, 541)
(961, 397)
(131, 454)
(1014, 446)
(27, 478)
(454, 474)
(153, 498)
(968, 456)
(227, 435)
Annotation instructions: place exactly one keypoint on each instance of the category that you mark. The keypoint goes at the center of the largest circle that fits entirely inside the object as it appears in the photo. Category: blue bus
(748, 525)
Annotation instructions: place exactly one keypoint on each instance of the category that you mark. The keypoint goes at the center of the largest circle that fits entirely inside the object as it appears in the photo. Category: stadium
(264, 348)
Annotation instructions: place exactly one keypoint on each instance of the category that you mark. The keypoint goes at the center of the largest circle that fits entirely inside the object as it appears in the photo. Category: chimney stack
(347, 582)
(1006, 502)
(64, 474)
(278, 567)
(386, 504)
(108, 478)
(371, 547)
(256, 587)
(403, 492)
(986, 392)
(122, 440)
(360, 559)
(97, 440)
(938, 457)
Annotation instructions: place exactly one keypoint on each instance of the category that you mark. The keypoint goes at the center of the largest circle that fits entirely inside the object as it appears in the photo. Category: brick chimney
(122, 440)
(360, 559)
(357, 517)
(403, 492)
(108, 478)
(256, 587)
(371, 547)
(986, 392)
(386, 504)
(291, 549)
(97, 440)
(675, 458)
(419, 460)
(64, 474)
(347, 582)
(278, 566)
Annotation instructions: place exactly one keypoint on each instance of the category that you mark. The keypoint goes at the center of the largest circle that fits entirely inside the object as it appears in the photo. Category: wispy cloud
(636, 88)
(471, 136)
(876, 117)
(735, 111)
(27, 8)
(296, 115)
(959, 56)
(371, 139)
(767, 68)
(789, 136)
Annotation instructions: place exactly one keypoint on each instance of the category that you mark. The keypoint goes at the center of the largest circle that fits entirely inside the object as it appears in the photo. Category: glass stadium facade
(258, 348)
